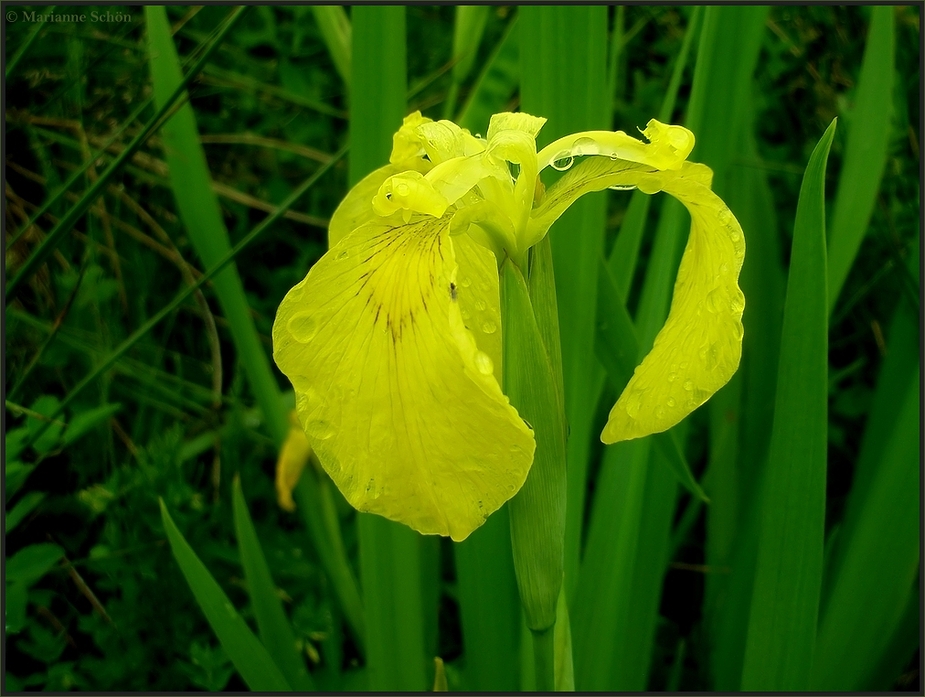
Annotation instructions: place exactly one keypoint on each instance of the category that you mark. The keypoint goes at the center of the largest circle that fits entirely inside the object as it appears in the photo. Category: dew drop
(660, 412)
(614, 156)
(734, 235)
(343, 255)
(622, 187)
(483, 363)
(586, 146)
(725, 215)
(465, 282)
(465, 314)
(688, 385)
(672, 376)
(303, 326)
(480, 305)
(402, 190)
(634, 404)
(489, 327)
(563, 161)
(670, 402)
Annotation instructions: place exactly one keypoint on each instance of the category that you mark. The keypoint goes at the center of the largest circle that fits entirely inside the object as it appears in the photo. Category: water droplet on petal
(489, 327)
(670, 402)
(622, 187)
(562, 161)
(634, 403)
(480, 304)
(343, 255)
(303, 326)
(465, 282)
(465, 314)
(725, 215)
(688, 385)
(585, 146)
(660, 412)
(483, 363)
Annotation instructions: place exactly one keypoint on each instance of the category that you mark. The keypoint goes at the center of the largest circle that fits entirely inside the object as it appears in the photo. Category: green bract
(393, 339)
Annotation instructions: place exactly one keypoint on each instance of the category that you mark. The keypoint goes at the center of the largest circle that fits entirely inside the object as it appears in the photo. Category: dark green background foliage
(102, 605)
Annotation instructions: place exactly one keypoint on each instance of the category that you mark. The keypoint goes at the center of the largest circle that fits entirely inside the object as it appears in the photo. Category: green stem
(544, 659)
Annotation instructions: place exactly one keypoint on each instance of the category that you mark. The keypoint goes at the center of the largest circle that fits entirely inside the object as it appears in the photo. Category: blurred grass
(118, 394)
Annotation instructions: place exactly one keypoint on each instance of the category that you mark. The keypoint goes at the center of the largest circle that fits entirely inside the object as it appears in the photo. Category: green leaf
(565, 82)
(874, 559)
(865, 151)
(249, 656)
(24, 507)
(788, 578)
(496, 83)
(28, 565)
(83, 422)
(199, 210)
(335, 30)
(538, 510)
(275, 631)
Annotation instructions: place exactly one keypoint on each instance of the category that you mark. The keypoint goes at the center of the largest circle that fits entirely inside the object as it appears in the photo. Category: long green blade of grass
(249, 656)
(336, 31)
(199, 210)
(788, 577)
(467, 35)
(730, 524)
(865, 151)
(496, 83)
(876, 555)
(633, 502)
(79, 208)
(391, 555)
(563, 77)
(275, 632)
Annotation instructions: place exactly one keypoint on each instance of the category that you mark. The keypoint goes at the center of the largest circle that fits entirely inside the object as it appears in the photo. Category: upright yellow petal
(700, 346)
(401, 406)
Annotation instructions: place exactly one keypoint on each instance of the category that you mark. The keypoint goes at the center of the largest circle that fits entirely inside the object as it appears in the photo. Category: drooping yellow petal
(667, 148)
(293, 457)
(700, 346)
(401, 406)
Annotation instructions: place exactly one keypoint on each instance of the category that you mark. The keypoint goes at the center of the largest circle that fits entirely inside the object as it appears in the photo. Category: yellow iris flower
(393, 339)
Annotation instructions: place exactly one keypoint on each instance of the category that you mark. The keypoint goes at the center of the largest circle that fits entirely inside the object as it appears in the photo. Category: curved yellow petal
(409, 192)
(401, 406)
(668, 147)
(407, 146)
(700, 346)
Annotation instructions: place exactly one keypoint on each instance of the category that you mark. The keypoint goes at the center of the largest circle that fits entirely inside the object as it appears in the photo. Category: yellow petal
(357, 207)
(293, 457)
(479, 297)
(401, 406)
(411, 192)
(699, 348)
(407, 146)
(668, 147)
